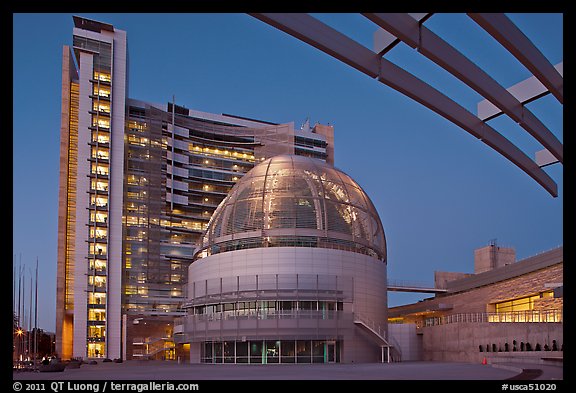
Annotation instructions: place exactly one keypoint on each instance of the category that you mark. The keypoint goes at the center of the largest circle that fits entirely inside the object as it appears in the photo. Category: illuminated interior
(522, 304)
(295, 201)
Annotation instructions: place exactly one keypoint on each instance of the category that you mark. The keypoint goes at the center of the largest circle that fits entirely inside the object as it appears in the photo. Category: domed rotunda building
(291, 269)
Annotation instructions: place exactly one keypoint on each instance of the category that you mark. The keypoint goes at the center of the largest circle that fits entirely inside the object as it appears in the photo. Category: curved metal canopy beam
(515, 41)
(439, 51)
(317, 34)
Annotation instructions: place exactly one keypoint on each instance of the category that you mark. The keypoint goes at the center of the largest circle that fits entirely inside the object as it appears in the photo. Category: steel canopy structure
(410, 29)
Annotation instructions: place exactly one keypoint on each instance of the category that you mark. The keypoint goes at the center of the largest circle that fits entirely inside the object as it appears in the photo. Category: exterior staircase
(378, 334)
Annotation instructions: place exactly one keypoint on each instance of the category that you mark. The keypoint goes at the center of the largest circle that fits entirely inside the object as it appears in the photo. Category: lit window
(96, 332)
(100, 185)
(98, 217)
(101, 154)
(105, 77)
(95, 314)
(96, 298)
(101, 122)
(97, 281)
(100, 106)
(99, 201)
(98, 233)
(96, 350)
(97, 264)
(102, 91)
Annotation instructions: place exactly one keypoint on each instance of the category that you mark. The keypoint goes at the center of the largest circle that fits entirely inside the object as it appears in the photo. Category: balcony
(98, 238)
(97, 271)
(102, 97)
(100, 158)
(99, 224)
(98, 207)
(100, 143)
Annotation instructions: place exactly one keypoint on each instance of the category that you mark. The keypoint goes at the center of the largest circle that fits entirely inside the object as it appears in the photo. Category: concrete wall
(64, 319)
(404, 337)
(82, 201)
(116, 198)
(491, 257)
(442, 278)
(459, 342)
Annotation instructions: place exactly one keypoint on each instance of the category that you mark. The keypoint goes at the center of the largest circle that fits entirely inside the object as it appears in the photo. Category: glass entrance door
(331, 351)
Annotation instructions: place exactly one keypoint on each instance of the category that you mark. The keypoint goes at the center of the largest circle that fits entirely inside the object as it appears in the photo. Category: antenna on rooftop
(493, 256)
(306, 125)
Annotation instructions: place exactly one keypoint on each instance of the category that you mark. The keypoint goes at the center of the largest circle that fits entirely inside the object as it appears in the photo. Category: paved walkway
(165, 371)
(533, 371)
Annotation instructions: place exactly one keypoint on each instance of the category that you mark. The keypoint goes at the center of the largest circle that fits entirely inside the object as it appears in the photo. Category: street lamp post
(19, 333)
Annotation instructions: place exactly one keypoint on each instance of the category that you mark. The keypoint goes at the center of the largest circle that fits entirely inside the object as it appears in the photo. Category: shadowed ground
(156, 370)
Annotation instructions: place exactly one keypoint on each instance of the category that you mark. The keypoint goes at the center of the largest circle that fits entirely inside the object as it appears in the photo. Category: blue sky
(440, 192)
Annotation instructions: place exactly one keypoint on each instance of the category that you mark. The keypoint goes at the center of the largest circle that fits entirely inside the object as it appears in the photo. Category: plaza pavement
(166, 371)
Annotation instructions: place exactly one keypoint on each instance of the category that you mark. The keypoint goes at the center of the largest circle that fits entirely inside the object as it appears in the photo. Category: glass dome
(295, 201)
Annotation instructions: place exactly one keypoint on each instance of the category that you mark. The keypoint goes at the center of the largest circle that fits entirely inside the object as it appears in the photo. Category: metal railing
(262, 314)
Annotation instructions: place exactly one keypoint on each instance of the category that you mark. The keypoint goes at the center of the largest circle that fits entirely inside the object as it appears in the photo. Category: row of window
(522, 304)
(245, 155)
(219, 164)
(268, 306)
(308, 142)
(213, 175)
(287, 241)
(271, 351)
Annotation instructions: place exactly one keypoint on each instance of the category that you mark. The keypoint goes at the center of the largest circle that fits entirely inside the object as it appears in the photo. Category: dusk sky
(440, 192)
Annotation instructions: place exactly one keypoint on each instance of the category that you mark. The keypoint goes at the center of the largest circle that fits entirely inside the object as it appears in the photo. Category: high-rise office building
(138, 184)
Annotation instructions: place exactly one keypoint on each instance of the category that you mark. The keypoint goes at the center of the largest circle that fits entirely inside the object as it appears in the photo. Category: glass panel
(208, 355)
(272, 351)
(288, 352)
(303, 351)
(318, 351)
(331, 352)
(218, 352)
(256, 352)
(229, 352)
(96, 350)
(96, 298)
(242, 352)
(96, 331)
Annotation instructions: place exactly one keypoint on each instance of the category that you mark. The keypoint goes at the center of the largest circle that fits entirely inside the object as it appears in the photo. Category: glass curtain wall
(99, 178)
(271, 351)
